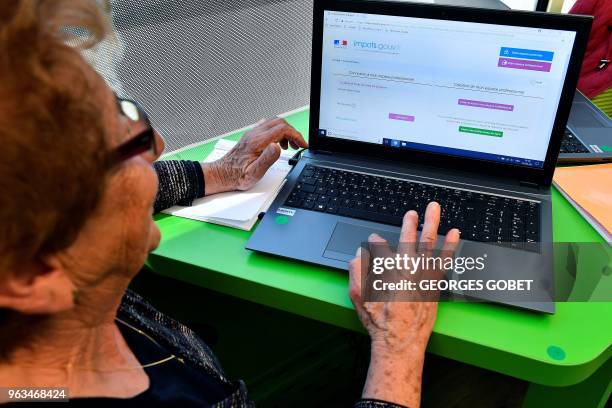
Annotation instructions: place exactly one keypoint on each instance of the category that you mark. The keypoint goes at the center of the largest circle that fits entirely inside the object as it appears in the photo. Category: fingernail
(431, 203)
(410, 214)
(373, 236)
(358, 253)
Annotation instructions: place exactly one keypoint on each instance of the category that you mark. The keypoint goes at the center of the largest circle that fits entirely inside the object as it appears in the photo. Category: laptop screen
(480, 91)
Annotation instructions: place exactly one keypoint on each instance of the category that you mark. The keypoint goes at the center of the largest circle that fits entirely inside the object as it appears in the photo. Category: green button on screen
(477, 131)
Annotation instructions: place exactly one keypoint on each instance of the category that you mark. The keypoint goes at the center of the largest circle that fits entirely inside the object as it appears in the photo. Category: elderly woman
(79, 183)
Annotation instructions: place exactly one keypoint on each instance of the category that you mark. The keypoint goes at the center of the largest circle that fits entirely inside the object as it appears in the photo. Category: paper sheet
(237, 208)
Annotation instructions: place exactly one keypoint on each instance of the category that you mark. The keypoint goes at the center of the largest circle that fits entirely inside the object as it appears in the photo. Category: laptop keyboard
(571, 144)
(480, 217)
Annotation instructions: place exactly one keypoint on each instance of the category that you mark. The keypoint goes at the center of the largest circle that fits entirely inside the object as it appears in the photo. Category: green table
(565, 356)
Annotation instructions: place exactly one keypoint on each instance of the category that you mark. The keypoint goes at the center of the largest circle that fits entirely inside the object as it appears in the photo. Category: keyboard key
(306, 187)
(332, 209)
(293, 202)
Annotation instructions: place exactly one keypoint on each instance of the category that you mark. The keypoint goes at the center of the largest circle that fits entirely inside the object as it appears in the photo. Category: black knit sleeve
(180, 182)
(374, 403)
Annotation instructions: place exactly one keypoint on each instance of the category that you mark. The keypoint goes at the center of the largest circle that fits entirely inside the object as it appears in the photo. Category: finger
(284, 144)
(408, 234)
(451, 241)
(280, 132)
(259, 166)
(429, 235)
(356, 275)
(380, 249)
(379, 246)
(450, 245)
(293, 145)
(356, 267)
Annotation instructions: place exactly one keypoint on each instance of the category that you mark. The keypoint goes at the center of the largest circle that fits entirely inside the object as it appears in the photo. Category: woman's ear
(37, 287)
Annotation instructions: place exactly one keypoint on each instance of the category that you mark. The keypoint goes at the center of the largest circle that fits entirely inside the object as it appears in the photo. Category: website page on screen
(482, 91)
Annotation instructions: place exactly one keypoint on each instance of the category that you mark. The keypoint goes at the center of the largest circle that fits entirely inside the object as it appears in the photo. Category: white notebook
(238, 209)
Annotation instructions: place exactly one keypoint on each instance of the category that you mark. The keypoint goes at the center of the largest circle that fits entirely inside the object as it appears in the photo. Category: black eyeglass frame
(140, 143)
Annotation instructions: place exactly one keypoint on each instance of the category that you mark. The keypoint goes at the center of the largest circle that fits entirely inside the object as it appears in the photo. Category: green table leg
(593, 392)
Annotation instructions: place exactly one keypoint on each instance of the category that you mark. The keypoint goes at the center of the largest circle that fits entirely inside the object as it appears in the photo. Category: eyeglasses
(143, 142)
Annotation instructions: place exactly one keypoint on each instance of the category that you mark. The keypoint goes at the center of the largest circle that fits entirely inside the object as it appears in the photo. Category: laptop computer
(412, 103)
(588, 137)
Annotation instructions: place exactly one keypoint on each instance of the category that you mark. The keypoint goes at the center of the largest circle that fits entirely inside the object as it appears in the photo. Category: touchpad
(347, 237)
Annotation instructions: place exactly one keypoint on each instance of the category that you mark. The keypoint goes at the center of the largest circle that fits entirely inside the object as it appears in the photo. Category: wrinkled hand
(248, 161)
(396, 326)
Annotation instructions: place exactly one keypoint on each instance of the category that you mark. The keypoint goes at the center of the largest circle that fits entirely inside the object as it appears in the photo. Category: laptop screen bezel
(540, 176)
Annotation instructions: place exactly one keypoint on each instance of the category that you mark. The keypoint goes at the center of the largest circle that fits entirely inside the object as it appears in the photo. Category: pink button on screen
(399, 116)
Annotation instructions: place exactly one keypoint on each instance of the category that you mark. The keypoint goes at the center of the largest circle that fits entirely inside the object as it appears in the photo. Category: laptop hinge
(529, 184)
(323, 152)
